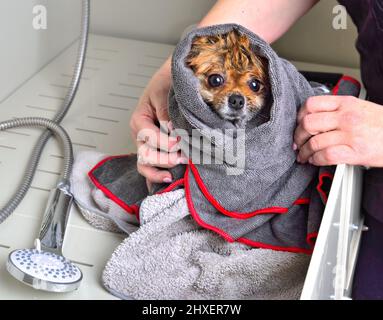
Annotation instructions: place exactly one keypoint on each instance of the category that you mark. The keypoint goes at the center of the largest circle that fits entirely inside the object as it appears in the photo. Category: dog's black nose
(236, 101)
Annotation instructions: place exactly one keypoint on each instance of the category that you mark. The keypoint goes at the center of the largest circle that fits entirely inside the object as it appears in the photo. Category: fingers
(154, 175)
(320, 104)
(156, 148)
(320, 142)
(150, 156)
(333, 155)
(312, 124)
(149, 133)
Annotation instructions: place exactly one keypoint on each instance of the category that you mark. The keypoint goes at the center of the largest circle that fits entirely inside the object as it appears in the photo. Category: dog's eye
(254, 85)
(216, 80)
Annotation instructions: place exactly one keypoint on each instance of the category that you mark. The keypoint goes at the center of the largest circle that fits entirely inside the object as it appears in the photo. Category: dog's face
(233, 80)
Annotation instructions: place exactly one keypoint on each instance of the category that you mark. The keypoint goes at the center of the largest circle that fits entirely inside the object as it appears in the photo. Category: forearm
(269, 19)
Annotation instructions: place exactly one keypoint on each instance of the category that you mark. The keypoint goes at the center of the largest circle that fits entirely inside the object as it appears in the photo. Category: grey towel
(267, 201)
(99, 210)
(171, 257)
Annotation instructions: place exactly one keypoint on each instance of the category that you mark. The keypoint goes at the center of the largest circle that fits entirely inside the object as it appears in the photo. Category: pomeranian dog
(233, 79)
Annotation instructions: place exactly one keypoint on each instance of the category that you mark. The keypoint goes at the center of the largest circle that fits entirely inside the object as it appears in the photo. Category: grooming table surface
(116, 71)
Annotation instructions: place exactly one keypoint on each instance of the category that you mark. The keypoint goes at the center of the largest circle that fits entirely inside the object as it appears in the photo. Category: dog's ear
(199, 44)
(206, 40)
(235, 38)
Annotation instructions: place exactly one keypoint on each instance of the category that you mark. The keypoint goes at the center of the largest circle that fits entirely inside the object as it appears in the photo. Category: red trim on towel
(225, 235)
(323, 194)
(276, 248)
(345, 78)
(218, 206)
(132, 209)
(172, 186)
(302, 201)
(194, 213)
(238, 215)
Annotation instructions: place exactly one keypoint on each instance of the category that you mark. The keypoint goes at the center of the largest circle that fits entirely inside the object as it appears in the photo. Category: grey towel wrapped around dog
(171, 257)
(266, 199)
(264, 205)
(188, 245)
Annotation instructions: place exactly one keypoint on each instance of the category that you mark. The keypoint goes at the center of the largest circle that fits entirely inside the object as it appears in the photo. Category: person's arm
(269, 19)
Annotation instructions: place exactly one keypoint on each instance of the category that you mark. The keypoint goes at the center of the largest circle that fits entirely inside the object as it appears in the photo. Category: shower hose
(52, 126)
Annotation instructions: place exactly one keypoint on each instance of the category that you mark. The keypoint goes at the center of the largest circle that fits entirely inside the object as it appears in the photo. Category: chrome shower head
(44, 270)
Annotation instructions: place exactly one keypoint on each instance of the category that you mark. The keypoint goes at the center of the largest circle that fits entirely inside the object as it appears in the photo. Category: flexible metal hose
(38, 149)
(54, 128)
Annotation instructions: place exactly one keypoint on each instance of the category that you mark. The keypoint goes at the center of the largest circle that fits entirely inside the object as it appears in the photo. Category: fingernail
(298, 158)
(295, 147)
(311, 160)
(167, 180)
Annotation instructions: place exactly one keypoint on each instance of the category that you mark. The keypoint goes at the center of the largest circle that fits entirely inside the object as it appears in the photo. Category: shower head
(44, 270)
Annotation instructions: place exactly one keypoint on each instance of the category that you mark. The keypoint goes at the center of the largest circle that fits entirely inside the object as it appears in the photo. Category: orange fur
(231, 56)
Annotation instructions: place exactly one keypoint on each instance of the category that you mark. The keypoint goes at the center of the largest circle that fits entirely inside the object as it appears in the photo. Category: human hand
(340, 129)
(156, 150)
